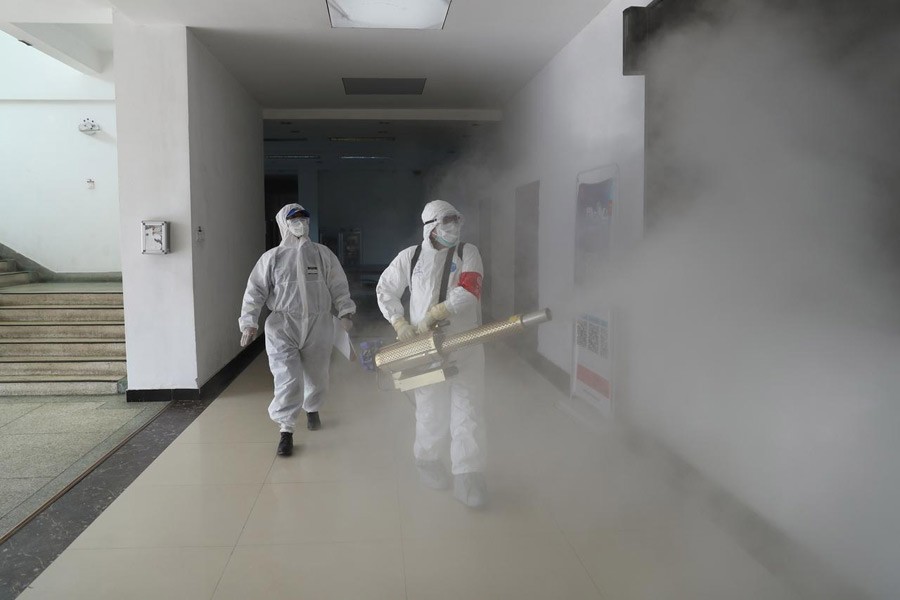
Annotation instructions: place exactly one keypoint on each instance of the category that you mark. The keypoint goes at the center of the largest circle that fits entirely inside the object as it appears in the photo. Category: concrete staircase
(61, 339)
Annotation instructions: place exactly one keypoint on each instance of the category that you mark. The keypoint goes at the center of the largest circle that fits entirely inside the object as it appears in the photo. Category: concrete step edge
(62, 359)
(61, 323)
(62, 341)
(58, 378)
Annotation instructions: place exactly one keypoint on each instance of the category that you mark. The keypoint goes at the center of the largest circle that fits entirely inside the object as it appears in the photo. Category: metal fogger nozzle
(423, 360)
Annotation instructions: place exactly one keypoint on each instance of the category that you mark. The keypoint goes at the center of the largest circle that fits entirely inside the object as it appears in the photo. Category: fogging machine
(425, 359)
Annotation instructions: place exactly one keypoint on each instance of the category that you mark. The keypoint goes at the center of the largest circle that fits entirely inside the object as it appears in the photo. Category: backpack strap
(404, 299)
(445, 278)
(415, 259)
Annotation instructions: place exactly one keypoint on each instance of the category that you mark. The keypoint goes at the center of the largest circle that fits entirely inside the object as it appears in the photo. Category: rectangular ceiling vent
(386, 86)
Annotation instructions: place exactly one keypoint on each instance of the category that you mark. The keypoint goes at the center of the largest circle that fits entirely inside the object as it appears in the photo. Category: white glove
(248, 336)
(404, 330)
(436, 314)
(347, 322)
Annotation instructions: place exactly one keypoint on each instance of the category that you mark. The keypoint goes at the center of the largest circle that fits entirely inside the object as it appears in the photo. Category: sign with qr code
(592, 368)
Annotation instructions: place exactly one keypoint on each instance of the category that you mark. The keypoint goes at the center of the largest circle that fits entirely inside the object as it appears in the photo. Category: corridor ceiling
(288, 56)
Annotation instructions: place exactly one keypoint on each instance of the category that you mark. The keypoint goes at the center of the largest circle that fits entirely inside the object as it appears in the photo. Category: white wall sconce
(89, 127)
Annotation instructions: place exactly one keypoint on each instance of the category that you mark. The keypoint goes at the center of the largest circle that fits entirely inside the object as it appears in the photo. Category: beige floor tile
(425, 512)
(291, 513)
(135, 574)
(183, 464)
(230, 424)
(172, 516)
(691, 562)
(370, 570)
(332, 454)
(518, 567)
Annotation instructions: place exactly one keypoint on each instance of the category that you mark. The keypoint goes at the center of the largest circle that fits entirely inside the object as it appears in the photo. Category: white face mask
(447, 234)
(298, 227)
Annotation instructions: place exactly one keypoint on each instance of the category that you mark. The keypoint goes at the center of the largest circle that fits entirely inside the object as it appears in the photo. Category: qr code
(604, 340)
(581, 333)
(594, 338)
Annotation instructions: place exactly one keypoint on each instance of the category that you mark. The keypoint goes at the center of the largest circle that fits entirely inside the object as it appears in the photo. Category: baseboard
(212, 388)
(82, 277)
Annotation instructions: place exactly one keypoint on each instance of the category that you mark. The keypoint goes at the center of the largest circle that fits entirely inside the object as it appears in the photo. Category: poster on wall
(592, 365)
(594, 214)
(593, 368)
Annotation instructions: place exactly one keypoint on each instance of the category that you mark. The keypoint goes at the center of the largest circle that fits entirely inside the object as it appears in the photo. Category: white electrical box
(154, 237)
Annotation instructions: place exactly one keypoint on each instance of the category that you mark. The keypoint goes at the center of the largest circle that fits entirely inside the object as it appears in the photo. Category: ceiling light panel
(385, 86)
(361, 139)
(388, 14)
(293, 156)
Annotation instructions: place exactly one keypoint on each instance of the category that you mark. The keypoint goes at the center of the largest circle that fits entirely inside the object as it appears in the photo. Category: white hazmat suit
(454, 406)
(300, 281)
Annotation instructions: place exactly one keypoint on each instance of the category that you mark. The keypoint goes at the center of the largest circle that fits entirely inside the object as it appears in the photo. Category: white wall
(226, 160)
(49, 213)
(384, 204)
(578, 113)
(154, 175)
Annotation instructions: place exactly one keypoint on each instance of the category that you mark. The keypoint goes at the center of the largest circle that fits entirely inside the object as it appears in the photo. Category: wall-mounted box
(154, 237)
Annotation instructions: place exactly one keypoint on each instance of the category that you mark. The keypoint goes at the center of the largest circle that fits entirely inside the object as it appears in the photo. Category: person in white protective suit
(300, 281)
(442, 264)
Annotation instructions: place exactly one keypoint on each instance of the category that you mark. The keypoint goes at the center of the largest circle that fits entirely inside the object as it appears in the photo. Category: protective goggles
(297, 213)
(446, 220)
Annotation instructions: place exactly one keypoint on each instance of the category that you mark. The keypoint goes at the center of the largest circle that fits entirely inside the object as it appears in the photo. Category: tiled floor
(47, 442)
(572, 514)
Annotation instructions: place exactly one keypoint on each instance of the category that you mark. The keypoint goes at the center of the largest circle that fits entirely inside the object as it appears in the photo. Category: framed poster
(592, 355)
(595, 210)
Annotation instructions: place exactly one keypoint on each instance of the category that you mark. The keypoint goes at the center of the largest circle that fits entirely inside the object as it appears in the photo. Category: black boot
(312, 421)
(286, 444)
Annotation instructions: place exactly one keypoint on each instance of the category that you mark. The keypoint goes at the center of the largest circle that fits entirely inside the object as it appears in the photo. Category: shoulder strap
(415, 259)
(445, 278)
(459, 249)
(406, 293)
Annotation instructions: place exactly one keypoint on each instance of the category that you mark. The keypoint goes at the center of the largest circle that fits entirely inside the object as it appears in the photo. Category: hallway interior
(573, 513)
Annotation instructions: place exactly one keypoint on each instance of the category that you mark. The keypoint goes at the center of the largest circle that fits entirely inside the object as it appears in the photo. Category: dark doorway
(526, 280)
(279, 190)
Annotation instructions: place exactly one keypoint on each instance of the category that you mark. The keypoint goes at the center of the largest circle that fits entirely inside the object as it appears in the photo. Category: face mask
(447, 234)
(298, 227)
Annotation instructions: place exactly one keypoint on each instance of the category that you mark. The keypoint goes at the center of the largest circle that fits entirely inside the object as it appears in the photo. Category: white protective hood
(287, 238)
(434, 211)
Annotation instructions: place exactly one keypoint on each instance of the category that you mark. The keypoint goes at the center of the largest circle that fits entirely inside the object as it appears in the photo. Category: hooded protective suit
(454, 405)
(300, 281)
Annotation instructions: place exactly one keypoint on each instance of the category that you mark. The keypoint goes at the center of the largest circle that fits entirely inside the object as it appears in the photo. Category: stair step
(47, 378)
(55, 312)
(37, 366)
(8, 266)
(14, 278)
(8, 297)
(58, 387)
(65, 348)
(37, 330)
